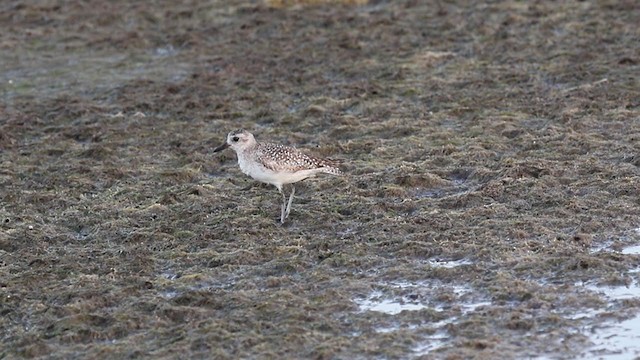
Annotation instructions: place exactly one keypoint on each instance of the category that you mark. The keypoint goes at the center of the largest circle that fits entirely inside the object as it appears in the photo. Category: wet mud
(489, 208)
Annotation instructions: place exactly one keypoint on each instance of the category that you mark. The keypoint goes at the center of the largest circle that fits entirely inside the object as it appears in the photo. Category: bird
(276, 164)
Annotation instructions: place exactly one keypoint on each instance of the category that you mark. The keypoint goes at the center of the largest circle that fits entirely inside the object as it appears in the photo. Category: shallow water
(378, 302)
(616, 339)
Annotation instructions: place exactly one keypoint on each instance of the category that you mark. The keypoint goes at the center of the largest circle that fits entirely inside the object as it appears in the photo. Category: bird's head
(237, 140)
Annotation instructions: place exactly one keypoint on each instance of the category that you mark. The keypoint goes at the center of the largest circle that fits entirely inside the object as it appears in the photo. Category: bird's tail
(332, 166)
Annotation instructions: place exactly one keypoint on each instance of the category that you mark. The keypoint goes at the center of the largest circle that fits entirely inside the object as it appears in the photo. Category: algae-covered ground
(491, 188)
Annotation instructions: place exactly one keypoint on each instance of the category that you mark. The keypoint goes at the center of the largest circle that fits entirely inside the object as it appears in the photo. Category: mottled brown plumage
(280, 158)
(276, 164)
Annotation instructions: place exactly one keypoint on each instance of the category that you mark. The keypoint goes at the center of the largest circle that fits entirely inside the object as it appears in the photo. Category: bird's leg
(293, 191)
(284, 202)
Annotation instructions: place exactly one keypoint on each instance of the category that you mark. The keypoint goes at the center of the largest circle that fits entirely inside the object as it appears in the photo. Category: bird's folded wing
(280, 158)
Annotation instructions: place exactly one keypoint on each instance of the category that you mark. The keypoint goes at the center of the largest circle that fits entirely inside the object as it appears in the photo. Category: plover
(276, 164)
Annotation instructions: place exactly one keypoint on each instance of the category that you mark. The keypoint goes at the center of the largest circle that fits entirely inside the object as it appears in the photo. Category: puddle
(169, 294)
(632, 250)
(618, 292)
(599, 247)
(614, 340)
(463, 302)
(617, 341)
(448, 264)
(387, 306)
(431, 343)
(169, 275)
(629, 236)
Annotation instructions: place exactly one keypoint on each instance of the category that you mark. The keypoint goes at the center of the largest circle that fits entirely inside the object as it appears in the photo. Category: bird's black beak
(221, 147)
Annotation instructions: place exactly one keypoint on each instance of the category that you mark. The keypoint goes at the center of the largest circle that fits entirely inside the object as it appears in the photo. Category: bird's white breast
(254, 169)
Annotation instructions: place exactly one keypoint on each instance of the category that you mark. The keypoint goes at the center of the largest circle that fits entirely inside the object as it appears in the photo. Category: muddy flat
(489, 209)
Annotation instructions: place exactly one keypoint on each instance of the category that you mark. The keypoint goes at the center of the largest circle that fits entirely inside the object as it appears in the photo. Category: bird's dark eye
(235, 139)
